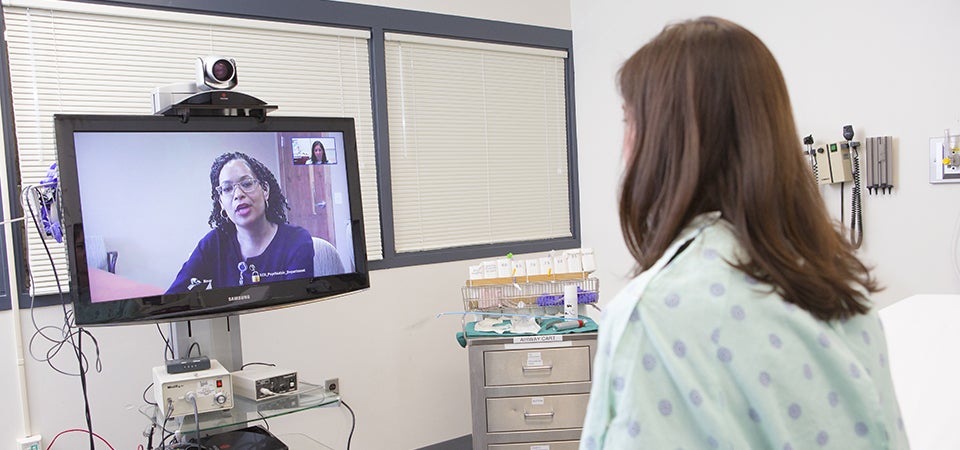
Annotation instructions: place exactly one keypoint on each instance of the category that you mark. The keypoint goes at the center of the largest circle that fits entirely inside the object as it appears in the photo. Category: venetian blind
(478, 143)
(77, 58)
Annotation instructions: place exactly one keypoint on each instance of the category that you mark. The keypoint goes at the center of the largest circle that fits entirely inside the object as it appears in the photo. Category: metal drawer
(536, 413)
(546, 365)
(556, 445)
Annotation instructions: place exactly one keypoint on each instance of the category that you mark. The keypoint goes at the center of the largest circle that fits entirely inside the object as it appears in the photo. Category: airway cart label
(534, 339)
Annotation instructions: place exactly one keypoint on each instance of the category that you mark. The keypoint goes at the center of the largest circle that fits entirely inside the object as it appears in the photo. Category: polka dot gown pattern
(694, 354)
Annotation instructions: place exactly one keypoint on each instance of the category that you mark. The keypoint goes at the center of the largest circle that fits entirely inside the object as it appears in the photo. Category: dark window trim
(12, 190)
(378, 20)
(5, 297)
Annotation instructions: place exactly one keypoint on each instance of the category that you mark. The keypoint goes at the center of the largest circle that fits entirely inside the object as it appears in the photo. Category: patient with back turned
(749, 323)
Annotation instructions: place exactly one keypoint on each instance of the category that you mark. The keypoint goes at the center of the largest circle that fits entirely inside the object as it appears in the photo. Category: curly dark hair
(278, 207)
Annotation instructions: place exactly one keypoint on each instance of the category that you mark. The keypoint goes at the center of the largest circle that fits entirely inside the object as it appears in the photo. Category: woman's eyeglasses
(245, 185)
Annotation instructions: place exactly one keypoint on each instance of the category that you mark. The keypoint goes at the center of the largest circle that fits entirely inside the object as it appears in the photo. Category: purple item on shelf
(557, 299)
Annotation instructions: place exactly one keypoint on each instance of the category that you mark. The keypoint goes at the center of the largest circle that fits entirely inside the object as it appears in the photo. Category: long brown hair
(713, 131)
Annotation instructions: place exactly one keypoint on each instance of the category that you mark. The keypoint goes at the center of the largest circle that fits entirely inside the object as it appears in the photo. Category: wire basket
(525, 295)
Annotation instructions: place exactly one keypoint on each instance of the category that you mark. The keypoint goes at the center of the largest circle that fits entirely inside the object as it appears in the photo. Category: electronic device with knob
(211, 389)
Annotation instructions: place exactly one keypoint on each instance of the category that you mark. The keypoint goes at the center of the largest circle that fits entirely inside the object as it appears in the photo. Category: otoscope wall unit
(945, 158)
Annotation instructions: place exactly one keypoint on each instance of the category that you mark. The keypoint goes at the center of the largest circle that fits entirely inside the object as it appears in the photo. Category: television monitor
(168, 220)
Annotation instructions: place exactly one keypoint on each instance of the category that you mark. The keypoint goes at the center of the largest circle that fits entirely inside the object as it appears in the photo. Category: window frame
(5, 285)
(378, 20)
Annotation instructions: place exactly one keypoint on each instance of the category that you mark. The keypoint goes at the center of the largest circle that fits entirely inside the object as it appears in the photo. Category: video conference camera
(215, 72)
(209, 94)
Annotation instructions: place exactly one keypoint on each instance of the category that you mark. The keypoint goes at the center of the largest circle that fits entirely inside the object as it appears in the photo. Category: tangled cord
(69, 333)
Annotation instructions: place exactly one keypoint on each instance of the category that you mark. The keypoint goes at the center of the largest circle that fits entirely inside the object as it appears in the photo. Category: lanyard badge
(254, 275)
(242, 267)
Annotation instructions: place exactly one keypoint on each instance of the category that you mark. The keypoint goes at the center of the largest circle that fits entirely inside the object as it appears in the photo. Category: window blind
(79, 58)
(478, 143)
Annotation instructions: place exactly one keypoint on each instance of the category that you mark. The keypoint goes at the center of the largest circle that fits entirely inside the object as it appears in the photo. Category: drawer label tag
(534, 359)
(539, 447)
(536, 401)
(532, 339)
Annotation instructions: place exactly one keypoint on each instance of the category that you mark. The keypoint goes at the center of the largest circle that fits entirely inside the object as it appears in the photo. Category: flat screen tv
(166, 220)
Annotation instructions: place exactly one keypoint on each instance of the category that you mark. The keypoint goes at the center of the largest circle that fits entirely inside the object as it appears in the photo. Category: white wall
(400, 367)
(884, 67)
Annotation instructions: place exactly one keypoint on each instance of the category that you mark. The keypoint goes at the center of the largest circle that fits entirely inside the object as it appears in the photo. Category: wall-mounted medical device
(945, 158)
(830, 162)
(837, 159)
(840, 162)
(878, 164)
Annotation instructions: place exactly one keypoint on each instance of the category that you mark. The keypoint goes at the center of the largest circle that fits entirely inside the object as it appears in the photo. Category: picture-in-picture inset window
(313, 151)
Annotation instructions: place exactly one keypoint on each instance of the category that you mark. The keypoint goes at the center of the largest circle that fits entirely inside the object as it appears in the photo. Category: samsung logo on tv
(239, 297)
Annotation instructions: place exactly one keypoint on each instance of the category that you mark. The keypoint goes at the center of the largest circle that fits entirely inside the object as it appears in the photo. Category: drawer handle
(546, 415)
(532, 368)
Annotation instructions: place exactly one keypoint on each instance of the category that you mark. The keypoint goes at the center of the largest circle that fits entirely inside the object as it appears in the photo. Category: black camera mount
(219, 103)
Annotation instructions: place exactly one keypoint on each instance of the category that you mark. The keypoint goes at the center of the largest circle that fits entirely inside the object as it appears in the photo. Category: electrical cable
(257, 364)
(153, 428)
(841, 203)
(267, 392)
(184, 444)
(264, 419)
(190, 350)
(66, 329)
(145, 396)
(55, 349)
(163, 426)
(76, 343)
(78, 430)
(83, 385)
(856, 211)
(353, 421)
(168, 349)
(196, 417)
(66, 332)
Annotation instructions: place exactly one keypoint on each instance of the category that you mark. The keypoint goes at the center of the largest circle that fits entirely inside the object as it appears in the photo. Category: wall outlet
(332, 385)
(29, 443)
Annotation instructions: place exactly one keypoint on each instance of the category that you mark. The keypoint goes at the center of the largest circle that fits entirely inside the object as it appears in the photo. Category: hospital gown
(694, 354)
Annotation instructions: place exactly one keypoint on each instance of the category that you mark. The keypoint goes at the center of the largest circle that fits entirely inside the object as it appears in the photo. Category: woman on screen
(318, 154)
(251, 241)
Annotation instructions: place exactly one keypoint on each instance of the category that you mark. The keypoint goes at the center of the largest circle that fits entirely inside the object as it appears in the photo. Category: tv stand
(219, 338)
(247, 412)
